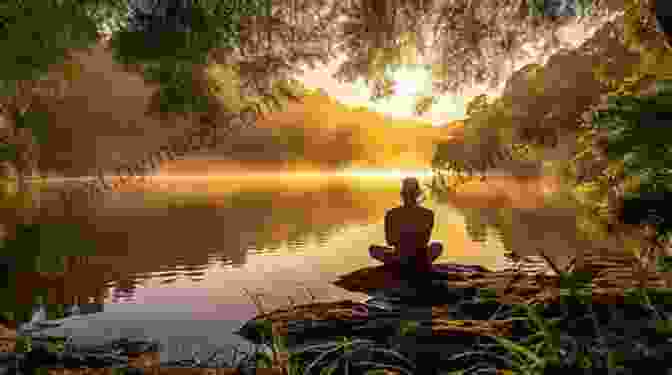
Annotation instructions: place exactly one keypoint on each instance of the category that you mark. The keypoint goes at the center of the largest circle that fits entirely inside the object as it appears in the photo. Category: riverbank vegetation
(614, 107)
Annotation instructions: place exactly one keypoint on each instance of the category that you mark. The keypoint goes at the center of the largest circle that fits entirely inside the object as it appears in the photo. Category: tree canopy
(263, 44)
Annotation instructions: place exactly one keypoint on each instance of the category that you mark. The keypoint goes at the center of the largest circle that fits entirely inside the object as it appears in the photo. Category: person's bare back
(408, 229)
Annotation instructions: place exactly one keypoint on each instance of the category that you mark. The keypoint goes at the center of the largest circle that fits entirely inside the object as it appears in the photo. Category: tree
(424, 104)
(469, 36)
(29, 53)
(182, 34)
(477, 104)
(267, 41)
(192, 35)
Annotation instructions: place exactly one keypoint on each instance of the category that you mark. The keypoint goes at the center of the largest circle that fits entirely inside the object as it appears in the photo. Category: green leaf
(663, 86)
(7, 315)
(487, 294)
(8, 152)
(379, 371)
(408, 327)
(583, 7)
(536, 7)
(614, 359)
(38, 122)
(263, 360)
(24, 344)
(329, 369)
(664, 327)
(664, 263)
(515, 348)
(456, 372)
(7, 88)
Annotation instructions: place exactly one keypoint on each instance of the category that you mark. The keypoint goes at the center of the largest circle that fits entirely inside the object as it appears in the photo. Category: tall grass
(342, 355)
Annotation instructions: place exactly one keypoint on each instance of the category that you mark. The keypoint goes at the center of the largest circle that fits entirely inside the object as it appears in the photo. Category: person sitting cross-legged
(408, 229)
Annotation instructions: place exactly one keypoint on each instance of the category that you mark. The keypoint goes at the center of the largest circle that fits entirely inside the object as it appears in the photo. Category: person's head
(410, 191)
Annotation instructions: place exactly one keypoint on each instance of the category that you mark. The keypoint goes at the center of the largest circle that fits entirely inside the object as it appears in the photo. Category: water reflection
(168, 241)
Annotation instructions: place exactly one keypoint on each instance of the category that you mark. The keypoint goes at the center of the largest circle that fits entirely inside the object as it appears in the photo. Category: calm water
(178, 252)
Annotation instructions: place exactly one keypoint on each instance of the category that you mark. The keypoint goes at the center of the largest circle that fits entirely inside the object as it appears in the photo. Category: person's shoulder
(393, 210)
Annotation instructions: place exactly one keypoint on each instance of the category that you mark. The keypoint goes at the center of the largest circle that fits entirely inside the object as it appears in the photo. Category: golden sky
(414, 80)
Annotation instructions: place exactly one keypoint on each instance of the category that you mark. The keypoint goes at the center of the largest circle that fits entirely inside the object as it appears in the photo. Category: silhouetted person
(408, 229)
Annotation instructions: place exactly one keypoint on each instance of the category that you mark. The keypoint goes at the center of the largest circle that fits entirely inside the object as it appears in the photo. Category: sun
(410, 82)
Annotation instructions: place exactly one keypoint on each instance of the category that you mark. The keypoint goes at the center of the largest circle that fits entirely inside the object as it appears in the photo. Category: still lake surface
(173, 257)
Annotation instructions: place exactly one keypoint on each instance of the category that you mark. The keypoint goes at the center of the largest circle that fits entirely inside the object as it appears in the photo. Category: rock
(128, 346)
(369, 279)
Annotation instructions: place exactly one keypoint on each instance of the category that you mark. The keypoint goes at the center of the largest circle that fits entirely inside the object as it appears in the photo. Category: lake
(172, 259)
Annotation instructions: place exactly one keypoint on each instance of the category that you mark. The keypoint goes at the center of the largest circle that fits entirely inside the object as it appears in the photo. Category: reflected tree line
(523, 232)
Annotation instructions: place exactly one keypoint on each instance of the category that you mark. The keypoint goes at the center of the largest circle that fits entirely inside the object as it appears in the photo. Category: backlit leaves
(478, 104)
(424, 105)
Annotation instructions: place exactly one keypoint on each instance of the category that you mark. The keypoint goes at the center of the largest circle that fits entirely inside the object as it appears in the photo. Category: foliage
(333, 356)
(548, 8)
(29, 51)
(265, 40)
(178, 92)
(225, 85)
(466, 35)
(424, 104)
(478, 104)
(637, 133)
(382, 88)
(294, 140)
(7, 152)
(342, 354)
(47, 242)
(487, 140)
(35, 120)
(635, 27)
(39, 248)
(182, 31)
(617, 145)
(550, 347)
(636, 146)
(181, 34)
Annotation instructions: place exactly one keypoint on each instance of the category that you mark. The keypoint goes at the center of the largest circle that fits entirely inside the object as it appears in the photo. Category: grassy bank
(573, 333)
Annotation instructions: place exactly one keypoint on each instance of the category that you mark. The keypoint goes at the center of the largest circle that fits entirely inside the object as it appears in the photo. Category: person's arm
(391, 234)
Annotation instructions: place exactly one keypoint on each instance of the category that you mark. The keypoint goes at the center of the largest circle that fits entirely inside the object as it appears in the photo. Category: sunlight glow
(384, 173)
(358, 172)
(411, 83)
